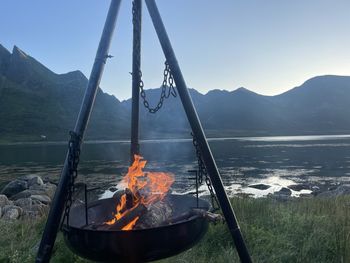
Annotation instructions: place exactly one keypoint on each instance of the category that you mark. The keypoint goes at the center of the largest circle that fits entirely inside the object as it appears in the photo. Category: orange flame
(146, 188)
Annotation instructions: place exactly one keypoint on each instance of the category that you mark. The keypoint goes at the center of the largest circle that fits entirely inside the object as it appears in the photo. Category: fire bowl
(141, 245)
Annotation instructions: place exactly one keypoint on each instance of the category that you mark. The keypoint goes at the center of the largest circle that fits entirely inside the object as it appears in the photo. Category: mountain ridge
(36, 101)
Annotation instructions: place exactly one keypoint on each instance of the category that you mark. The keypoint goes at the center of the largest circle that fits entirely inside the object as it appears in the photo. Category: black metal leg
(136, 77)
(86, 205)
(198, 132)
(57, 206)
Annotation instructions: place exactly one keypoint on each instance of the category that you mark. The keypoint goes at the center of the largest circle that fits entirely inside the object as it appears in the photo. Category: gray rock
(260, 186)
(28, 177)
(14, 187)
(28, 193)
(48, 188)
(284, 191)
(4, 201)
(11, 212)
(35, 181)
(299, 187)
(0, 212)
(282, 195)
(41, 209)
(113, 189)
(24, 203)
(42, 198)
(23, 194)
(37, 202)
(37, 192)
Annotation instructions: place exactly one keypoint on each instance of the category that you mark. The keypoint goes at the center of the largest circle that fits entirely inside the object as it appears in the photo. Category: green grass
(300, 230)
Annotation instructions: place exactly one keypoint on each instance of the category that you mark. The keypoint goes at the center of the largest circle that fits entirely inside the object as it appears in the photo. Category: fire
(146, 188)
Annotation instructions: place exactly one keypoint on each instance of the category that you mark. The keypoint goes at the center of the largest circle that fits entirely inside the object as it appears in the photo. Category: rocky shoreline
(27, 197)
(313, 190)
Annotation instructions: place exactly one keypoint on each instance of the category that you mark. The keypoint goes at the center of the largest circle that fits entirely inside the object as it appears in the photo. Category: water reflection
(241, 161)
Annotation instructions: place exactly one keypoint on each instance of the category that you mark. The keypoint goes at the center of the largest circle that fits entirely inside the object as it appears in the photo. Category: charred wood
(138, 211)
(211, 217)
(156, 213)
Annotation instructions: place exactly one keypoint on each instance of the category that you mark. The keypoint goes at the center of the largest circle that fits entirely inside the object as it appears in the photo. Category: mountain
(319, 106)
(35, 101)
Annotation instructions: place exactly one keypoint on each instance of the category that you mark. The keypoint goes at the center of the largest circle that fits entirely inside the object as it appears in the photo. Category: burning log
(156, 213)
(211, 217)
(129, 199)
(142, 198)
(122, 224)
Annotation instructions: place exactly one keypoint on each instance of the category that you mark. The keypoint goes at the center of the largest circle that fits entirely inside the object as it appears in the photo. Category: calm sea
(276, 161)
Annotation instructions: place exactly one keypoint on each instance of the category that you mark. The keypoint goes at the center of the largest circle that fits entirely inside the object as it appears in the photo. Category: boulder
(24, 203)
(11, 212)
(48, 188)
(299, 187)
(35, 181)
(32, 179)
(282, 195)
(27, 193)
(14, 187)
(0, 212)
(35, 189)
(23, 194)
(113, 189)
(284, 191)
(27, 177)
(4, 201)
(42, 198)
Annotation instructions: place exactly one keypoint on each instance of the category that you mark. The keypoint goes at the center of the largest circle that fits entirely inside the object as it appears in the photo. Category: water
(276, 161)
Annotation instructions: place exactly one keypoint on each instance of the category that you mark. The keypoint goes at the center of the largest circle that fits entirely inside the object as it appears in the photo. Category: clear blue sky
(267, 46)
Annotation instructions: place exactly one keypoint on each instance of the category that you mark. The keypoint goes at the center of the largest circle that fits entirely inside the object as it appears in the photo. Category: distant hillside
(35, 101)
(320, 106)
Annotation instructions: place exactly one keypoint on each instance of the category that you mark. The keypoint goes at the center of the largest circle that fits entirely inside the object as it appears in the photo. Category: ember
(143, 190)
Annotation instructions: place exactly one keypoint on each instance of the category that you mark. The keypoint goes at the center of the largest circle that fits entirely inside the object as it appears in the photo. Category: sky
(267, 46)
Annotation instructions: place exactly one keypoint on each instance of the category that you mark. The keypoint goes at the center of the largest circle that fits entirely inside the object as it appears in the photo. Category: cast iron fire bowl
(140, 245)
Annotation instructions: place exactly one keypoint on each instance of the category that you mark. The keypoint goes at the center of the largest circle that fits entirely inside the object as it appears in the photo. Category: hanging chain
(165, 93)
(73, 161)
(168, 87)
(202, 171)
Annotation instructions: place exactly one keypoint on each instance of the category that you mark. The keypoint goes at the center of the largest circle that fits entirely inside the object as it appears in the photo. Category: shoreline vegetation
(297, 230)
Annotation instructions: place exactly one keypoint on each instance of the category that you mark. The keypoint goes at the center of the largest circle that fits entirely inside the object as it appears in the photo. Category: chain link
(73, 161)
(168, 89)
(202, 171)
